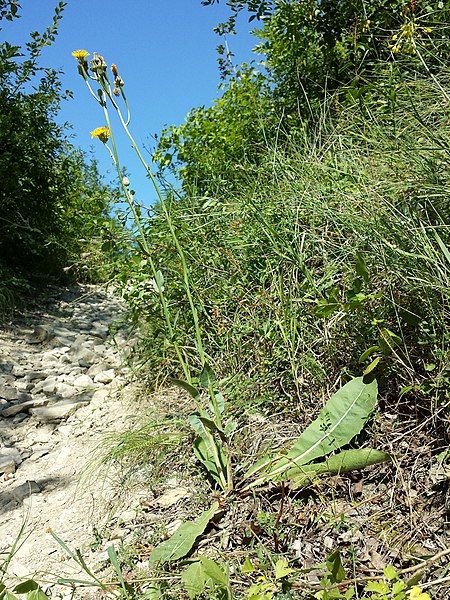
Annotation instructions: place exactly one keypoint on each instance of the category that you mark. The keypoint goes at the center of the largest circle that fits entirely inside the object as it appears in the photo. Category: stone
(104, 376)
(172, 496)
(99, 331)
(20, 370)
(9, 459)
(35, 375)
(56, 412)
(96, 369)
(86, 358)
(65, 390)
(83, 381)
(49, 385)
(15, 409)
(8, 392)
(20, 417)
(40, 335)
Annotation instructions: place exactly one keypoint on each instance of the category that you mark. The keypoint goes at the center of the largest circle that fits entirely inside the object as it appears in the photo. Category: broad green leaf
(194, 579)
(343, 462)
(443, 247)
(212, 426)
(342, 418)
(335, 567)
(208, 450)
(398, 587)
(193, 391)
(114, 560)
(361, 267)
(388, 340)
(390, 573)
(202, 451)
(214, 572)
(201, 573)
(379, 587)
(152, 593)
(26, 586)
(9, 596)
(182, 541)
(219, 402)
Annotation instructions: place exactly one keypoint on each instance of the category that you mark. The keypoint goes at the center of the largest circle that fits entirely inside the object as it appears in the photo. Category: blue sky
(165, 51)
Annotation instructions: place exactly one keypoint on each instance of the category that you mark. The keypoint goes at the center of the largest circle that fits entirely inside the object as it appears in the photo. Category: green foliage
(341, 419)
(54, 205)
(181, 542)
(326, 256)
(203, 574)
(217, 147)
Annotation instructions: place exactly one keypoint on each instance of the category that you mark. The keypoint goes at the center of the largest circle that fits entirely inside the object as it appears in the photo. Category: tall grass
(332, 245)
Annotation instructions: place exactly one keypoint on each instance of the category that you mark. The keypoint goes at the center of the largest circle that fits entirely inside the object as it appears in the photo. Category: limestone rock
(83, 381)
(8, 392)
(9, 459)
(104, 376)
(56, 412)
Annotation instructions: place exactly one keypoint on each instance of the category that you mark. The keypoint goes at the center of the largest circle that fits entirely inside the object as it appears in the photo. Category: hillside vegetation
(55, 209)
(294, 288)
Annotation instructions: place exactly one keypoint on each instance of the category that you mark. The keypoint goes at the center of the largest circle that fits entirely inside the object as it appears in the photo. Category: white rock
(83, 381)
(56, 412)
(22, 407)
(9, 459)
(104, 376)
(172, 496)
(8, 392)
(65, 391)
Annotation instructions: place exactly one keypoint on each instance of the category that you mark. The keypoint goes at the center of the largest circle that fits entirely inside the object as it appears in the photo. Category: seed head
(98, 65)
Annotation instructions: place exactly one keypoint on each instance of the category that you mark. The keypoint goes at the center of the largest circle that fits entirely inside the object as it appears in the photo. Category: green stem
(130, 201)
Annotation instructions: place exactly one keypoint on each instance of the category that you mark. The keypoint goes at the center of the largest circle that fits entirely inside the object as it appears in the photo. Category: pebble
(8, 392)
(104, 376)
(83, 381)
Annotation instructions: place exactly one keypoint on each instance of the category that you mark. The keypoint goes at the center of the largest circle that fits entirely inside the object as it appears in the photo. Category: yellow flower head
(417, 594)
(102, 133)
(80, 54)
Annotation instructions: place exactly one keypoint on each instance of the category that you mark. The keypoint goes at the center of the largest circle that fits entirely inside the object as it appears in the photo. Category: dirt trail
(61, 391)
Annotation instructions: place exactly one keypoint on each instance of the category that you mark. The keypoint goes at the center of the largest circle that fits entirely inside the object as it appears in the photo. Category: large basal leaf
(183, 539)
(208, 449)
(343, 462)
(343, 417)
(202, 451)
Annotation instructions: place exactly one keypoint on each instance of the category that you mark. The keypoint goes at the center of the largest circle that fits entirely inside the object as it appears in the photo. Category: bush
(54, 206)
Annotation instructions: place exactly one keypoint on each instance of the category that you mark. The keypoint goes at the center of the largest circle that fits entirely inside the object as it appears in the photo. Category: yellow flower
(417, 594)
(102, 133)
(80, 54)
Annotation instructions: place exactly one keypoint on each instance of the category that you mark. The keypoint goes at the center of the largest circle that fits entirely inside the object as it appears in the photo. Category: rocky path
(60, 377)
